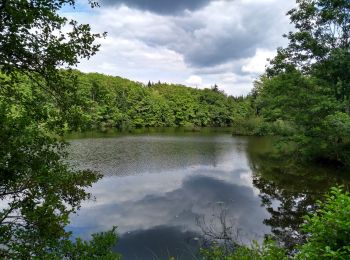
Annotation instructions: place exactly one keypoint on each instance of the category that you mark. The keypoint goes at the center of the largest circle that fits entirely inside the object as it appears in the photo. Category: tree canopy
(307, 85)
(34, 37)
(117, 102)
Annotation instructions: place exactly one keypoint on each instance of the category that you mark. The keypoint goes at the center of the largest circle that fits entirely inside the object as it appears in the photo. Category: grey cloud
(227, 36)
(160, 6)
(235, 40)
(219, 50)
(213, 38)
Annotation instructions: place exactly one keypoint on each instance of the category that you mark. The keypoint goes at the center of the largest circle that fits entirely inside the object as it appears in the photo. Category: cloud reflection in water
(155, 186)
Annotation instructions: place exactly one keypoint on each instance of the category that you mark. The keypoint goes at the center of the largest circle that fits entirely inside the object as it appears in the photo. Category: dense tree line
(109, 101)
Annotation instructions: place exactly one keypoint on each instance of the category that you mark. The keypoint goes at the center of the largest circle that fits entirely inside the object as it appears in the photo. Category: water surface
(157, 184)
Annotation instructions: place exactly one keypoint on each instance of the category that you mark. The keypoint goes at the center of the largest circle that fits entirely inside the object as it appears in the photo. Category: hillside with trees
(101, 101)
(116, 102)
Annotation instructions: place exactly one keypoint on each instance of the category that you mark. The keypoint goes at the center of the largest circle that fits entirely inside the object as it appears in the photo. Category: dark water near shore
(158, 183)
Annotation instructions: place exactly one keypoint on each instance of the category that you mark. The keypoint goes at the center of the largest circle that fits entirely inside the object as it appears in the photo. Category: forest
(302, 100)
(109, 101)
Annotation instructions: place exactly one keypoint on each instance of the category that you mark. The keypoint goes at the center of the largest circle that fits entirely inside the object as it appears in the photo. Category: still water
(163, 188)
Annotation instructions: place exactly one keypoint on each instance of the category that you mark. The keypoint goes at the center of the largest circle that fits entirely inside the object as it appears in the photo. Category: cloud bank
(159, 6)
(223, 42)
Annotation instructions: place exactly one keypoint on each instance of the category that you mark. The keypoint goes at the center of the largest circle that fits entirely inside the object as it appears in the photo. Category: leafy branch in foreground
(38, 190)
(34, 37)
(328, 228)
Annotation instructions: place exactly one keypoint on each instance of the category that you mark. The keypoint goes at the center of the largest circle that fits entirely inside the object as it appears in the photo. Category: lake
(165, 189)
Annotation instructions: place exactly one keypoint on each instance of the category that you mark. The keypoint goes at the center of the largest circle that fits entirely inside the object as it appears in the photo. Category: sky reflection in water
(155, 186)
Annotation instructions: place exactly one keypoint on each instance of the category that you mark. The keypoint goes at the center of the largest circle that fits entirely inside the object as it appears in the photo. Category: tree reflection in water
(287, 191)
(219, 228)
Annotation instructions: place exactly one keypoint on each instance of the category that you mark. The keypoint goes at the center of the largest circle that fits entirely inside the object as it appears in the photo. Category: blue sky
(198, 43)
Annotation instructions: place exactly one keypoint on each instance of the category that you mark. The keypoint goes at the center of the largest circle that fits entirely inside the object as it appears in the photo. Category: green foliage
(40, 190)
(38, 101)
(36, 38)
(336, 136)
(312, 121)
(268, 250)
(296, 98)
(100, 247)
(322, 30)
(251, 126)
(328, 228)
(307, 85)
(35, 43)
(106, 101)
(258, 126)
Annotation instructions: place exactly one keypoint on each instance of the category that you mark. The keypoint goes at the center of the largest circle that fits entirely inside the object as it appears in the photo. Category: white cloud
(224, 43)
(194, 80)
(256, 64)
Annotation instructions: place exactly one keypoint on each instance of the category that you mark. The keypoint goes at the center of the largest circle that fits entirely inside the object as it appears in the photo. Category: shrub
(269, 250)
(328, 228)
(251, 126)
